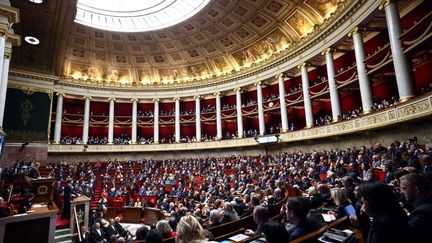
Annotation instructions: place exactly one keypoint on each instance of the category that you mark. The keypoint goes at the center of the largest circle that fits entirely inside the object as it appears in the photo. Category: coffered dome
(225, 39)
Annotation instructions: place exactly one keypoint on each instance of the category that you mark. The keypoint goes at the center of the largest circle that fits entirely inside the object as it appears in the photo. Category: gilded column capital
(279, 75)
(111, 99)
(384, 3)
(2, 132)
(217, 93)
(156, 100)
(328, 50)
(87, 97)
(7, 55)
(177, 99)
(134, 99)
(238, 89)
(305, 64)
(12, 14)
(354, 31)
(259, 83)
(60, 94)
(197, 97)
(13, 38)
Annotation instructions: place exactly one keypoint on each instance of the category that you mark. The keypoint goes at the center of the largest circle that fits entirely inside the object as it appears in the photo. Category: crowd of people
(214, 191)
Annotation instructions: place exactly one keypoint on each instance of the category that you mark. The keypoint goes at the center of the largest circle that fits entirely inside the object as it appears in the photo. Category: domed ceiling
(223, 39)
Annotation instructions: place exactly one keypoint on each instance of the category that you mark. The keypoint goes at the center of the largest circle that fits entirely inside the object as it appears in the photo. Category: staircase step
(62, 232)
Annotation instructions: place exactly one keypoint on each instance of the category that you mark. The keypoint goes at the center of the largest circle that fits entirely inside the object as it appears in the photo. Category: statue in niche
(114, 76)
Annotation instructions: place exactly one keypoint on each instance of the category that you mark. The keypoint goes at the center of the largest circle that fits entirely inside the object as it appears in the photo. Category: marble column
(177, 120)
(364, 83)
(3, 85)
(8, 16)
(239, 113)
(156, 121)
(59, 117)
(282, 103)
(261, 121)
(306, 96)
(111, 121)
(86, 118)
(334, 95)
(134, 120)
(219, 134)
(198, 118)
(402, 67)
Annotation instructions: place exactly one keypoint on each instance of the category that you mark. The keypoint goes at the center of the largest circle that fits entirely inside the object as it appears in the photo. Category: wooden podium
(42, 188)
(152, 215)
(79, 212)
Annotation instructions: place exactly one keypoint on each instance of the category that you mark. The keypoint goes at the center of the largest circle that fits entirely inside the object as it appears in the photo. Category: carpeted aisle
(61, 223)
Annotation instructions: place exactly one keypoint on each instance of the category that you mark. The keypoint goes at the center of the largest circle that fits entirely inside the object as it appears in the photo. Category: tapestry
(26, 116)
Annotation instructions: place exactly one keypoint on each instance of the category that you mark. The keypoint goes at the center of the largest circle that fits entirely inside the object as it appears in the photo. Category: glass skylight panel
(136, 15)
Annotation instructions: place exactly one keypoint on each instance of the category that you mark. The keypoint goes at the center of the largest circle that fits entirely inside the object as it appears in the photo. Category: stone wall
(18, 151)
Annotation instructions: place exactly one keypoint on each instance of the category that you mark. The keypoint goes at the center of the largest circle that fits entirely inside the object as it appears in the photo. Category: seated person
(297, 209)
(416, 190)
(260, 216)
(165, 229)
(275, 233)
(215, 217)
(228, 213)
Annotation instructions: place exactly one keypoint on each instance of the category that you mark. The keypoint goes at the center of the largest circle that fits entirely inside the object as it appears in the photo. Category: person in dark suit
(297, 209)
(229, 214)
(239, 205)
(261, 217)
(275, 233)
(85, 235)
(215, 217)
(111, 230)
(67, 196)
(34, 171)
(388, 173)
(416, 190)
(255, 201)
(389, 221)
(97, 234)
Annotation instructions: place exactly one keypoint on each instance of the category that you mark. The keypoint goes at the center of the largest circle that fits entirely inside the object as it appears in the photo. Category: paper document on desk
(238, 237)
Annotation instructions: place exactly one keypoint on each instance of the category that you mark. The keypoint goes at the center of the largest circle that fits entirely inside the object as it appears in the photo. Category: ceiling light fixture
(32, 40)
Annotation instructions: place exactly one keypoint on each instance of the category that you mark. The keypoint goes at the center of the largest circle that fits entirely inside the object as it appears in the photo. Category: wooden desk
(30, 227)
(152, 215)
(131, 214)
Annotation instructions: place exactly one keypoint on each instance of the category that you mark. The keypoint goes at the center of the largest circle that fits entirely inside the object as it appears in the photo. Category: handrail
(10, 192)
(415, 24)
(77, 224)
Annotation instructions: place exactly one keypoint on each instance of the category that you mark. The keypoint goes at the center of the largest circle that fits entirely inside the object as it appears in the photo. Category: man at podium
(67, 196)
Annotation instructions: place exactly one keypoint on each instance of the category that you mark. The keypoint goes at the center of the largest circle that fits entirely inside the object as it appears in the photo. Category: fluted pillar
(282, 103)
(261, 122)
(86, 119)
(156, 121)
(306, 96)
(8, 16)
(218, 115)
(59, 117)
(3, 85)
(177, 120)
(364, 82)
(198, 118)
(111, 121)
(334, 95)
(402, 67)
(134, 120)
(239, 113)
